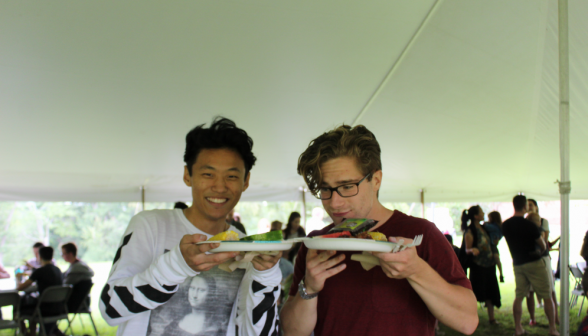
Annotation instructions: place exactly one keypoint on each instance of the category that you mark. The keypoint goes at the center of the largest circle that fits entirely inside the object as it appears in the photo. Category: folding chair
(57, 296)
(10, 298)
(578, 290)
(79, 302)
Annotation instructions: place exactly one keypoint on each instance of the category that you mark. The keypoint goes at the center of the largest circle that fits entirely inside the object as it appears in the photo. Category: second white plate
(248, 246)
(349, 244)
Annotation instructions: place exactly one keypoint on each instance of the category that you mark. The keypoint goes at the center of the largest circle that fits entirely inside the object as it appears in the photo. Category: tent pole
(143, 197)
(303, 208)
(564, 147)
(423, 203)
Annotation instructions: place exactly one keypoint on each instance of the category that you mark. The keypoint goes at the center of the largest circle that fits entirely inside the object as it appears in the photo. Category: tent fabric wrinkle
(91, 113)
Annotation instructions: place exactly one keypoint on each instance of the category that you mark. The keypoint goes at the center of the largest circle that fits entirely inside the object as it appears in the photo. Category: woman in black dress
(293, 230)
(483, 266)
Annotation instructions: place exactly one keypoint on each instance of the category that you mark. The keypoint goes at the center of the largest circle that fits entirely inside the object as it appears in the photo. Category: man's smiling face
(217, 181)
(341, 171)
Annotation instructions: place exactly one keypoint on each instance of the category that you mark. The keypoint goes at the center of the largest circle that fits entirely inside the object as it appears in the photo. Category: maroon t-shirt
(359, 302)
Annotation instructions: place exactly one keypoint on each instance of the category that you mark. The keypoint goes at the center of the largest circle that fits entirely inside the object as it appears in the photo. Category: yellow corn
(378, 236)
(227, 235)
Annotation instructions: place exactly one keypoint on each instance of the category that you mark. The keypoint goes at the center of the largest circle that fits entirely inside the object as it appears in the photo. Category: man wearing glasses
(332, 295)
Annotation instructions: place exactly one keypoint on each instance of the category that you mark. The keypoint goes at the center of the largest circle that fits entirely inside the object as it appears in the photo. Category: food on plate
(226, 235)
(270, 236)
(354, 226)
(372, 235)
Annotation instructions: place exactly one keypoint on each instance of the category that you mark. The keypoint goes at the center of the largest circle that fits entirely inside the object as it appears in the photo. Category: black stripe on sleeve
(256, 286)
(269, 321)
(110, 311)
(155, 295)
(169, 288)
(128, 300)
(119, 251)
(276, 329)
(266, 304)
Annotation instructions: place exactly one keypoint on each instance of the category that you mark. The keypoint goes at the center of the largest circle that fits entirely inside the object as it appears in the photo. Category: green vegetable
(272, 235)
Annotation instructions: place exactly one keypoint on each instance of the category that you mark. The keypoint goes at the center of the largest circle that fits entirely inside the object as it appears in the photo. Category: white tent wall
(95, 99)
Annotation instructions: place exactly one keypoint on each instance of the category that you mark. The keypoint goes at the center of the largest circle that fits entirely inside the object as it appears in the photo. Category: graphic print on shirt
(202, 306)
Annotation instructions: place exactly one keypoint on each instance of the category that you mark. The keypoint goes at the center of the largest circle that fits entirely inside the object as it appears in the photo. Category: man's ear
(377, 180)
(187, 177)
(246, 184)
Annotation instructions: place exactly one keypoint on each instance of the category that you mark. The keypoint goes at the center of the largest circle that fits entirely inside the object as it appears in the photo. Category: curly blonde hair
(344, 141)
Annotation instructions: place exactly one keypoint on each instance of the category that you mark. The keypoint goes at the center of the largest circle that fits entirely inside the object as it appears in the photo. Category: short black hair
(38, 244)
(449, 238)
(46, 253)
(519, 202)
(222, 133)
(180, 205)
(70, 248)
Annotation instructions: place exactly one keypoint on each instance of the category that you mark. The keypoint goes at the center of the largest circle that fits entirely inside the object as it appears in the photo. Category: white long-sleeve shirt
(152, 291)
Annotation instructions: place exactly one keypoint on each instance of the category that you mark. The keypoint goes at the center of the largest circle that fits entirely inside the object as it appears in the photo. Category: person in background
(521, 236)
(3, 273)
(293, 230)
(234, 222)
(450, 240)
(45, 276)
(544, 227)
(483, 267)
(78, 270)
(583, 328)
(494, 229)
(276, 226)
(35, 262)
(180, 205)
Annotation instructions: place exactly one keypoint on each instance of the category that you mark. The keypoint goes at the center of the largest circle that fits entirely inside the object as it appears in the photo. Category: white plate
(349, 244)
(248, 246)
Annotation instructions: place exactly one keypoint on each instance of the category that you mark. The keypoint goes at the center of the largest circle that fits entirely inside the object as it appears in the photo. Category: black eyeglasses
(346, 190)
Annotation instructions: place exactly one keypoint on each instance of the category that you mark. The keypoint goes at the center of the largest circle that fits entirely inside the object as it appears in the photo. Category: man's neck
(381, 214)
(45, 262)
(519, 214)
(74, 261)
(204, 224)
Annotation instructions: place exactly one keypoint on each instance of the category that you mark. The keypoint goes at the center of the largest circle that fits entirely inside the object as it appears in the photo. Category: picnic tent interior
(463, 96)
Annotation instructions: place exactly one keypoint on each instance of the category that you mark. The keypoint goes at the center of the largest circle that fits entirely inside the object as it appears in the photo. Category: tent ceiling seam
(397, 62)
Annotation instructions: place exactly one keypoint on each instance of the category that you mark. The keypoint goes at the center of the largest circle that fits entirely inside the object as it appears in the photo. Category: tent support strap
(143, 197)
(397, 62)
(423, 203)
(564, 147)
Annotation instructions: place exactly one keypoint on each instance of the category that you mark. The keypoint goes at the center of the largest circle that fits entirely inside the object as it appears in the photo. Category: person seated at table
(78, 270)
(35, 262)
(3, 273)
(45, 276)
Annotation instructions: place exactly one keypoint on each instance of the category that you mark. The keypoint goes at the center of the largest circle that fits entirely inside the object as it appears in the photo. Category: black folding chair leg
(94, 325)
(70, 327)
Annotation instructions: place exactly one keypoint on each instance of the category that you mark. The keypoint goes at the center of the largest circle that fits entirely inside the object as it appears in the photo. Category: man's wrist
(305, 292)
(420, 271)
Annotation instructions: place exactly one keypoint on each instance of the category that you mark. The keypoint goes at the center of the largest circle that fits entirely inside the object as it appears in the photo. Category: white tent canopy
(96, 98)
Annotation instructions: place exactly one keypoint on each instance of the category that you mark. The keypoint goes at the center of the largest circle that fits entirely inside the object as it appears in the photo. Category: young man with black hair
(529, 268)
(163, 283)
(411, 289)
(45, 276)
(78, 270)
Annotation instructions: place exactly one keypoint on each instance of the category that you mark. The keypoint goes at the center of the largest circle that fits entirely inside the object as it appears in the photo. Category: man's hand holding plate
(196, 257)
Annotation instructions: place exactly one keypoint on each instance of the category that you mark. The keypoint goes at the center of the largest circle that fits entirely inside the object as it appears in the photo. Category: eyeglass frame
(343, 185)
